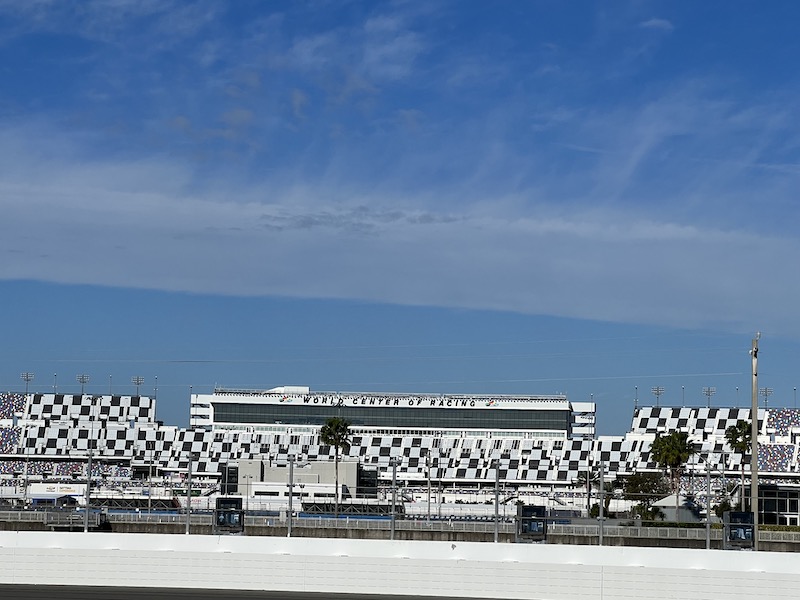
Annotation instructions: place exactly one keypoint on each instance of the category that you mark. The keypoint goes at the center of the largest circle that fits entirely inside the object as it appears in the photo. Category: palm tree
(336, 432)
(739, 438)
(672, 452)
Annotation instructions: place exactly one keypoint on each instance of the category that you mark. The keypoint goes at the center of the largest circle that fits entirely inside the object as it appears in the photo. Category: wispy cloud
(365, 159)
(659, 24)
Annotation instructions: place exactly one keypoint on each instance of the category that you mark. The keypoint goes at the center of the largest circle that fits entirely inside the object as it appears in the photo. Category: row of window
(434, 418)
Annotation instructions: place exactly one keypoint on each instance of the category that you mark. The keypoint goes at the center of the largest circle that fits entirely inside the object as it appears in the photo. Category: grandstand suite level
(47, 437)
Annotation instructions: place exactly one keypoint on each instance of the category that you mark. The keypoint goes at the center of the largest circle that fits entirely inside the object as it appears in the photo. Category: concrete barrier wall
(478, 570)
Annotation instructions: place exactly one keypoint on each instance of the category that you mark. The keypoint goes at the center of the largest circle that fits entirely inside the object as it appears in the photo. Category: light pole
(89, 443)
(88, 489)
(55, 383)
(754, 439)
(189, 493)
(658, 391)
(635, 397)
(291, 494)
(496, 501)
(150, 446)
(137, 381)
(708, 392)
(602, 502)
(110, 386)
(28, 377)
(428, 465)
(708, 505)
(83, 380)
(247, 479)
(766, 392)
(393, 463)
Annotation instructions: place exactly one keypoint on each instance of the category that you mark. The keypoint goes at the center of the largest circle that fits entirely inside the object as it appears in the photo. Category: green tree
(671, 452)
(645, 488)
(739, 438)
(336, 432)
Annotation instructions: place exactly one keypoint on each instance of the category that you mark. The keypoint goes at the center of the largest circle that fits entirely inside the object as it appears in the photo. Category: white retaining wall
(479, 570)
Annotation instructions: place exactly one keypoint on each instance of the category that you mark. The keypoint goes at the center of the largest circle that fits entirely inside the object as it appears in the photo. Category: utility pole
(754, 441)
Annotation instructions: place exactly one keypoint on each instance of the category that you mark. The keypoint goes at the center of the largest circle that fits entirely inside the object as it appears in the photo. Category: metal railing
(61, 518)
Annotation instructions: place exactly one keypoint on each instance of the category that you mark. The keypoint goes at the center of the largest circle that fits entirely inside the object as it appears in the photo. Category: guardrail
(51, 518)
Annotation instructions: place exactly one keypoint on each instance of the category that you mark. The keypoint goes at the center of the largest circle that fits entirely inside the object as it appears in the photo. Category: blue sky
(517, 197)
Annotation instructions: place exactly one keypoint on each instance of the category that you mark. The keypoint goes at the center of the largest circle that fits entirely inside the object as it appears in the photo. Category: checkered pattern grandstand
(52, 434)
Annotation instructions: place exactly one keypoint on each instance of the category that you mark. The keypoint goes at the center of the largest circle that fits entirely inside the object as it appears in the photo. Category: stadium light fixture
(658, 391)
(766, 392)
(708, 392)
(27, 378)
(137, 381)
(83, 380)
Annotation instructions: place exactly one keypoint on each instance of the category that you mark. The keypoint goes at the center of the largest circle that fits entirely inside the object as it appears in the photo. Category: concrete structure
(463, 569)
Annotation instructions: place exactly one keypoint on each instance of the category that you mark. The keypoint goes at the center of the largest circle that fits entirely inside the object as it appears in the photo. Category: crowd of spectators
(11, 404)
(776, 458)
(9, 439)
(782, 421)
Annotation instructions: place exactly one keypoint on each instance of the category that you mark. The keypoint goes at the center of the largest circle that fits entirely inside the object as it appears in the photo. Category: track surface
(57, 592)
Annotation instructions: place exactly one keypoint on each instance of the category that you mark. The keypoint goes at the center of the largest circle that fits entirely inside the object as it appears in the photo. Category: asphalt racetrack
(84, 592)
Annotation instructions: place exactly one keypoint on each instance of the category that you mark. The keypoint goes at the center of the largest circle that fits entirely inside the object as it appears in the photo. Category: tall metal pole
(708, 505)
(291, 494)
(602, 500)
(428, 464)
(88, 490)
(394, 494)
(150, 484)
(189, 496)
(588, 486)
(754, 442)
(496, 502)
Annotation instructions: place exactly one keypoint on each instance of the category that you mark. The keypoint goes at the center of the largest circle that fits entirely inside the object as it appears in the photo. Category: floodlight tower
(708, 392)
(137, 381)
(27, 378)
(657, 392)
(83, 380)
(766, 392)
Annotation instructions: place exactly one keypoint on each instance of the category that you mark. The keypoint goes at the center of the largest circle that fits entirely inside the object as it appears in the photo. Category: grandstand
(541, 445)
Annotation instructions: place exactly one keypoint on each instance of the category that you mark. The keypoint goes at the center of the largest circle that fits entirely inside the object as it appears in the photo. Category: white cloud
(136, 224)
(659, 24)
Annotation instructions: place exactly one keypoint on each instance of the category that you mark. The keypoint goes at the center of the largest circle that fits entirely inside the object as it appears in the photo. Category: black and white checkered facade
(53, 433)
